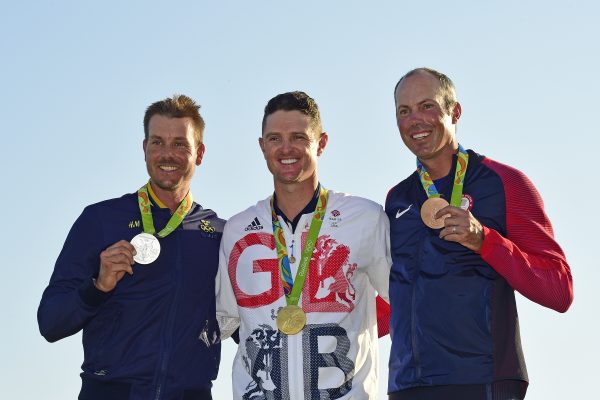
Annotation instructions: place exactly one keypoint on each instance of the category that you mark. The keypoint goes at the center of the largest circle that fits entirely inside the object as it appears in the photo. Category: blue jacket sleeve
(71, 299)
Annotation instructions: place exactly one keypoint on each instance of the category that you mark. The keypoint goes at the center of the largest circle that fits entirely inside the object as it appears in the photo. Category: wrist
(99, 286)
(92, 296)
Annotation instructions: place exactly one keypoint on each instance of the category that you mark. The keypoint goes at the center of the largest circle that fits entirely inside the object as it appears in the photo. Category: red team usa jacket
(335, 356)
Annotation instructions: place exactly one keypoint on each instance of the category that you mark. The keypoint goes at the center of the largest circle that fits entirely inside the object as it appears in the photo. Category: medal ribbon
(147, 221)
(293, 287)
(459, 178)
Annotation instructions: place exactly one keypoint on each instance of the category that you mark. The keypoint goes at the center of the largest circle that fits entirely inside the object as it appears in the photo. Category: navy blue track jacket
(156, 330)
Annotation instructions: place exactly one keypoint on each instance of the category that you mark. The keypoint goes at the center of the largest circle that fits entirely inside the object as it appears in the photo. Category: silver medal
(147, 248)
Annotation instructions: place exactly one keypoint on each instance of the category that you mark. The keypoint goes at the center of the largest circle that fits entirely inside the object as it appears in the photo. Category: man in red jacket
(466, 232)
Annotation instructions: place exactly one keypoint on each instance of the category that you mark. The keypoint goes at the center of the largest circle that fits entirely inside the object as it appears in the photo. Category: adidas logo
(254, 225)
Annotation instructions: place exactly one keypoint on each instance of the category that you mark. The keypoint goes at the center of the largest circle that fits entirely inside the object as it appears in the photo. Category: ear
(200, 153)
(322, 143)
(144, 144)
(261, 143)
(456, 113)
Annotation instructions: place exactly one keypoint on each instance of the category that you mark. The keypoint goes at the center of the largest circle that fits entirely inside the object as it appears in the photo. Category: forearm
(64, 311)
(226, 305)
(71, 299)
(543, 277)
(527, 256)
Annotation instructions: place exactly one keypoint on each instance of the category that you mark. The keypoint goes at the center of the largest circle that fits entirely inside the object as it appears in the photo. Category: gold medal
(291, 319)
(430, 208)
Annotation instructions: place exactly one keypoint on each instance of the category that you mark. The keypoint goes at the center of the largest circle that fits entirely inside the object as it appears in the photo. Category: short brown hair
(295, 101)
(447, 89)
(178, 106)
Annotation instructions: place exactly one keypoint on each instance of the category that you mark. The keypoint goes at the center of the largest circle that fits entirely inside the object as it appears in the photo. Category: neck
(292, 198)
(170, 198)
(439, 166)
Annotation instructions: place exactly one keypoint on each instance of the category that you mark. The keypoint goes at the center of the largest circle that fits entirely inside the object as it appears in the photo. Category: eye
(273, 139)
(403, 112)
(155, 141)
(428, 106)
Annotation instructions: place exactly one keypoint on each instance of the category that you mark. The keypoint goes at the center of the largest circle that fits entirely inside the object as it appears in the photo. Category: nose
(286, 144)
(167, 151)
(411, 121)
(414, 118)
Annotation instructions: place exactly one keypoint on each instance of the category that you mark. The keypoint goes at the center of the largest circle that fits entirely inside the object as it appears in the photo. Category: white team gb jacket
(336, 355)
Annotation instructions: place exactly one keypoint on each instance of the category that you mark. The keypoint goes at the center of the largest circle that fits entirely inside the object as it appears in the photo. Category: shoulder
(404, 186)
(206, 214)
(126, 202)
(519, 192)
(260, 211)
(509, 175)
(107, 217)
(352, 203)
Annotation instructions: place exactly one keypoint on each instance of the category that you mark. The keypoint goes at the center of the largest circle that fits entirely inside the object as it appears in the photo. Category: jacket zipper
(413, 317)
(166, 354)
(296, 340)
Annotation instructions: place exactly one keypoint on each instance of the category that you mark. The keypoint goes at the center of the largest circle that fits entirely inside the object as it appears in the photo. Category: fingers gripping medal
(291, 319)
(434, 203)
(147, 246)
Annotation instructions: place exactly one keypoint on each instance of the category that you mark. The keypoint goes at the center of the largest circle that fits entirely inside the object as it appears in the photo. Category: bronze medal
(291, 319)
(430, 208)
(292, 259)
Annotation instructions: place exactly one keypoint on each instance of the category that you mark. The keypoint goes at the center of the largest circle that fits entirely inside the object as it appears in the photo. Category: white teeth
(167, 168)
(289, 160)
(419, 136)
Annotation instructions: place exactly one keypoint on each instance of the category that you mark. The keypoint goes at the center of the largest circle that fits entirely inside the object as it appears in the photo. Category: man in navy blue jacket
(137, 274)
(466, 232)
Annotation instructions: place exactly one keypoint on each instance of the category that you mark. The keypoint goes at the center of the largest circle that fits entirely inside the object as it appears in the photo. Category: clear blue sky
(76, 77)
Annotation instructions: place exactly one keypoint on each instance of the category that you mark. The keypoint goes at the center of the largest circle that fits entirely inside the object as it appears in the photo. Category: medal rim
(156, 244)
(426, 211)
(291, 310)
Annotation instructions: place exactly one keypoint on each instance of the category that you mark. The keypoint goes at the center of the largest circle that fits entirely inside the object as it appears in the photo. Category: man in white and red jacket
(319, 254)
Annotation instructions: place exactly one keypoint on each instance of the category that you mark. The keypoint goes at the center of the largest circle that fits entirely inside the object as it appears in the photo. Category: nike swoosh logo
(401, 213)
